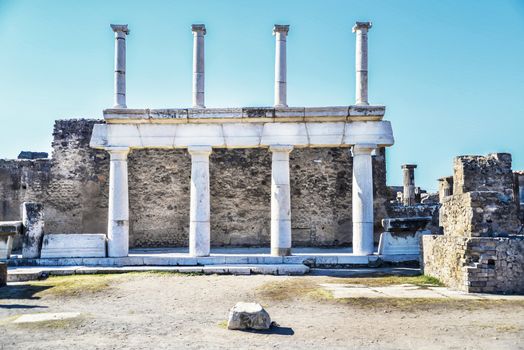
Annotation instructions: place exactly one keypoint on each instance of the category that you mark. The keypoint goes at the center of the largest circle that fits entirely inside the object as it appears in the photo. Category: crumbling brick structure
(481, 249)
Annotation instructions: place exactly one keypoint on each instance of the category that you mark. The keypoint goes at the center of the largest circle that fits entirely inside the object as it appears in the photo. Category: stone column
(361, 29)
(199, 223)
(199, 30)
(120, 64)
(32, 229)
(118, 211)
(445, 187)
(408, 181)
(280, 33)
(362, 199)
(280, 201)
(521, 189)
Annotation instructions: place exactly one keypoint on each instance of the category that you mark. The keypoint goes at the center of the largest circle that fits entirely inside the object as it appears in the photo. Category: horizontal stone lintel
(245, 115)
(242, 135)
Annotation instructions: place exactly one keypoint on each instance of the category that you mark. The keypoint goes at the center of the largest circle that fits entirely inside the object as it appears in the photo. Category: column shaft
(408, 182)
(199, 223)
(118, 211)
(280, 32)
(280, 201)
(120, 65)
(362, 200)
(361, 62)
(199, 30)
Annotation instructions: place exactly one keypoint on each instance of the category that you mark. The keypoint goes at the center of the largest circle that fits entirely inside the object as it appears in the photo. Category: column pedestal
(199, 224)
(280, 201)
(118, 213)
(362, 200)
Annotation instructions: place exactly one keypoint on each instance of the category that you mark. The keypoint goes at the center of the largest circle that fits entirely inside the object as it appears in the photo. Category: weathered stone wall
(483, 173)
(479, 214)
(398, 210)
(481, 249)
(73, 186)
(476, 264)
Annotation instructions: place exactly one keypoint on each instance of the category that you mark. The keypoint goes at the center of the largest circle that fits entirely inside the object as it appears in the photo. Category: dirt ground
(170, 311)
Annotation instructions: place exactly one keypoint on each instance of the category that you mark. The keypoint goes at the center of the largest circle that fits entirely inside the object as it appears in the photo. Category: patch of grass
(293, 288)
(222, 324)
(421, 281)
(51, 324)
(74, 285)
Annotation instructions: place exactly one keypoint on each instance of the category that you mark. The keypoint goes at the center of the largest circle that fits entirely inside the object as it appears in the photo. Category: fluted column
(280, 201)
(362, 199)
(199, 30)
(199, 224)
(120, 64)
(361, 62)
(280, 33)
(118, 211)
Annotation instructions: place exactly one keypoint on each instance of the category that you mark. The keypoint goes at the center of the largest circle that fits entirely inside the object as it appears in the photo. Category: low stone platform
(26, 273)
(313, 257)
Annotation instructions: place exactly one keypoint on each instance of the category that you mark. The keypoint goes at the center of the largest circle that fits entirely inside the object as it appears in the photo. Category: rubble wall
(73, 186)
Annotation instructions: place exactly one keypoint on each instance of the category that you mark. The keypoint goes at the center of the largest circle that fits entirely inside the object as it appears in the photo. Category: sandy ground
(166, 311)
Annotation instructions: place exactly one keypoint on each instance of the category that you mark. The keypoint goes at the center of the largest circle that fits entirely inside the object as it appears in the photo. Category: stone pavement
(347, 291)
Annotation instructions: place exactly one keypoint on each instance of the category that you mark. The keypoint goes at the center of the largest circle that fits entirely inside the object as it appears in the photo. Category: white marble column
(280, 33)
(362, 199)
(118, 211)
(280, 201)
(199, 224)
(199, 30)
(120, 64)
(361, 29)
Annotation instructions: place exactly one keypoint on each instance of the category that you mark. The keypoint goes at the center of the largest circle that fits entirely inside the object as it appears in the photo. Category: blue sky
(451, 73)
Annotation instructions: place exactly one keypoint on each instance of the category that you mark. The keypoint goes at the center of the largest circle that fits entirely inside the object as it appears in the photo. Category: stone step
(21, 274)
(315, 260)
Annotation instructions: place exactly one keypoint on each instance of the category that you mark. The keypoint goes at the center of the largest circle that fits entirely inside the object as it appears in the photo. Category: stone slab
(400, 243)
(46, 317)
(86, 245)
(8, 228)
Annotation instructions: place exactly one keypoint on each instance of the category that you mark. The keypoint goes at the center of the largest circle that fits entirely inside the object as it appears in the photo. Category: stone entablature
(243, 127)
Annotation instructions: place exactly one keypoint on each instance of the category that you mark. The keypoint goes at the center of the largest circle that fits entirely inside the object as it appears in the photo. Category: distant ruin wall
(73, 186)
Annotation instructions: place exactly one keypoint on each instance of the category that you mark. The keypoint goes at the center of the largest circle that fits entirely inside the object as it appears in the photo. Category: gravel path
(164, 311)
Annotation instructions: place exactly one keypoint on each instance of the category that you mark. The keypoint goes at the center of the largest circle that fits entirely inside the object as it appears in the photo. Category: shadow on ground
(23, 291)
(273, 330)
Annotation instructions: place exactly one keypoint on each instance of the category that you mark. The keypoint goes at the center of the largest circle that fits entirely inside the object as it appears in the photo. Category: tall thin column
(362, 199)
(199, 30)
(120, 64)
(199, 224)
(280, 32)
(361, 29)
(118, 213)
(280, 201)
(408, 182)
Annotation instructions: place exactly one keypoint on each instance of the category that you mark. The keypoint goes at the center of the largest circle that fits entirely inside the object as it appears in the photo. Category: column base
(280, 251)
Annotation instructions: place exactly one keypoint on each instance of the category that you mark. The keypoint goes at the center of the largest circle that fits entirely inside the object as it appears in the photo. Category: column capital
(408, 166)
(198, 28)
(281, 148)
(280, 28)
(361, 25)
(200, 150)
(118, 153)
(363, 148)
(120, 28)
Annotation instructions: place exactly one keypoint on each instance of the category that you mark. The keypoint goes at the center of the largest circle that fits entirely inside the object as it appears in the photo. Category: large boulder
(248, 316)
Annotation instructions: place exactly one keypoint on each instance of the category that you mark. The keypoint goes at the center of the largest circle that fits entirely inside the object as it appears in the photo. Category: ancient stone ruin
(482, 248)
(275, 177)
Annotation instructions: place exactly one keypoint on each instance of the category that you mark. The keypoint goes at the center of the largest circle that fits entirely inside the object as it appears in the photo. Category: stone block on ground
(8, 229)
(393, 243)
(248, 316)
(80, 245)
(3, 274)
(33, 229)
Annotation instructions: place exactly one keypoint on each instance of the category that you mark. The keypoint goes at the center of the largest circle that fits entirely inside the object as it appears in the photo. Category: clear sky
(451, 73)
